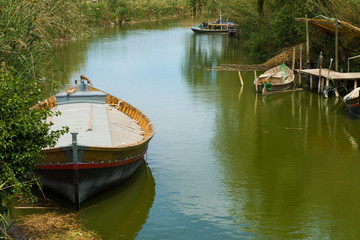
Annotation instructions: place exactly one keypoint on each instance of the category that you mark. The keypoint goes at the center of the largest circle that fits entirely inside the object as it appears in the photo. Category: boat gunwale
(128, 109)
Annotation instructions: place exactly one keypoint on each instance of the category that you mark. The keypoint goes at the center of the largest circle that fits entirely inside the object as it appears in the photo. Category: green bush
(23, 133)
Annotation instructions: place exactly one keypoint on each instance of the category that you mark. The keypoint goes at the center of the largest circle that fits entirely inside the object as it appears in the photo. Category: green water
(225, 162)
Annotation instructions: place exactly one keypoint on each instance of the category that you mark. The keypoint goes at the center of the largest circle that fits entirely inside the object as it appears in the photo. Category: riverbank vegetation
(51, 225)
(29, 29)
(268, 26)
(24, 132)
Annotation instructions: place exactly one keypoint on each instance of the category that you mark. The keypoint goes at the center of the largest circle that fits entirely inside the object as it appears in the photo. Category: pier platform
(328, 75)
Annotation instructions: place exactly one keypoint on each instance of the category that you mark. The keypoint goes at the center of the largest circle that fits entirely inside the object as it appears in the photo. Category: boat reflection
(292, 161)
(120, 212)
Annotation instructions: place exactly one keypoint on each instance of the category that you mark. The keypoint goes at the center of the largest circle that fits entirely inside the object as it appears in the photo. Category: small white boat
(279, 78)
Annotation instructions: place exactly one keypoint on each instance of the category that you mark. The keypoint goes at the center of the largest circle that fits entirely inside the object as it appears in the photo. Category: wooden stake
(307, 43)
(327, 78)
(241, 80)
(336, 45)
(293, 60)
(256, 81)
(311, 82)
(300, 56)
(320, 64)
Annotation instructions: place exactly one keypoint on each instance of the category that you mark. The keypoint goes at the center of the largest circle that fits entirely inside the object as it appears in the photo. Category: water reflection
(290, 170)
(205, 51)
(120, 212)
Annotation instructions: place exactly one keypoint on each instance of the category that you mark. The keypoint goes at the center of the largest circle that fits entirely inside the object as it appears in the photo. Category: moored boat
(107, 141)
(352, 101)
(214, 28)
(220, 26)
(279, 78)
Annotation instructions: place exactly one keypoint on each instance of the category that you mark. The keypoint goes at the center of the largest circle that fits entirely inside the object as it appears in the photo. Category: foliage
(23, 133)
(267, 26)
(27, 29)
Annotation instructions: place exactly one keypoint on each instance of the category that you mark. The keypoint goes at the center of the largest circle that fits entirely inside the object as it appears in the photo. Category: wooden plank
(331, 74)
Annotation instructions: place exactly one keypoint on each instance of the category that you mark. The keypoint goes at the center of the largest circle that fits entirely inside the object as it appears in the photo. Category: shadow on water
(121, 211)
(116, 213)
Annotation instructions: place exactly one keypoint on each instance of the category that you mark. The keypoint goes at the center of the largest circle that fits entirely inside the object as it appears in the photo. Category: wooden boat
(214, 28)
(352, 101)
(279, 78)
(107, 141)
(220, 26)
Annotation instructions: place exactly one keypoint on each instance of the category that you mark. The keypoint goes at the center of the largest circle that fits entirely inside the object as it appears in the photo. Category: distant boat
(279, 78)
(220, 26)
(107, 142)
(352, 101)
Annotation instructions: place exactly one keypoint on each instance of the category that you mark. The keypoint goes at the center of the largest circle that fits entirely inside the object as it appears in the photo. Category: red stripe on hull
(77, 166)
(353, 105)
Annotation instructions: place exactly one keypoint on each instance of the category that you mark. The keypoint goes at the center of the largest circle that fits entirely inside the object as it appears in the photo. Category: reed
(28, 28)
(136, 10)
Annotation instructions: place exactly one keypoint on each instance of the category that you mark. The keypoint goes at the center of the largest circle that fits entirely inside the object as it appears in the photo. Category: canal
(225, 163)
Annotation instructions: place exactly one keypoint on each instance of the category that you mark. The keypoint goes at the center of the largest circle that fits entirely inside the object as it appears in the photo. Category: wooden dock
(326, 75)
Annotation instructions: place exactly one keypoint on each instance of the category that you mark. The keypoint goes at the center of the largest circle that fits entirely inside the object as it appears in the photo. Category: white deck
(109, 127)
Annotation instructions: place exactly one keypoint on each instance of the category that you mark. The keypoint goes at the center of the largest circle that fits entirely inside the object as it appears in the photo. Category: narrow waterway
(225, 163)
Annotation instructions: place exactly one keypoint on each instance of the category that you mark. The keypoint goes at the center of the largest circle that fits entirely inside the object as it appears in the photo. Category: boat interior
(97, 123)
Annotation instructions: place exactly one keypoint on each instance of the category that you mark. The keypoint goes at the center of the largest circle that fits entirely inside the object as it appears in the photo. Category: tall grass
(134, 10)
(29, 27)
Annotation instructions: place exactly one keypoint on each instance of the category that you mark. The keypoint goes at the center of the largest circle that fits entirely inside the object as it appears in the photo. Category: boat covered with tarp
(106, 142)
(279, 78)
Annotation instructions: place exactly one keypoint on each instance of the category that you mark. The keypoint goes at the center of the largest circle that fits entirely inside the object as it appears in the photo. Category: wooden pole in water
(307, 43)
(336, 45)
(293, 60)
(311, 82)
(256, 81)
(299, 75)
(300, 56)
(327, 78)
(320, 64)
(241, 80)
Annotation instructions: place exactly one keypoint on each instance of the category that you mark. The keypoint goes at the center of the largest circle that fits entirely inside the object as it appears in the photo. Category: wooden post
(256, 81)
(320, 64)
(241, 80)
(327, 78)
(300, 56)
(300, 80)
(293, 60)
(307, 43)
(355, 84)
(311, 82)
(336, 45)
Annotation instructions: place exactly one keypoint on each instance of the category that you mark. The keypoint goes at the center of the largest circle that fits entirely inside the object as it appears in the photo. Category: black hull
(353, 106)
(198, 30)
(79, 184)
(354, 110)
